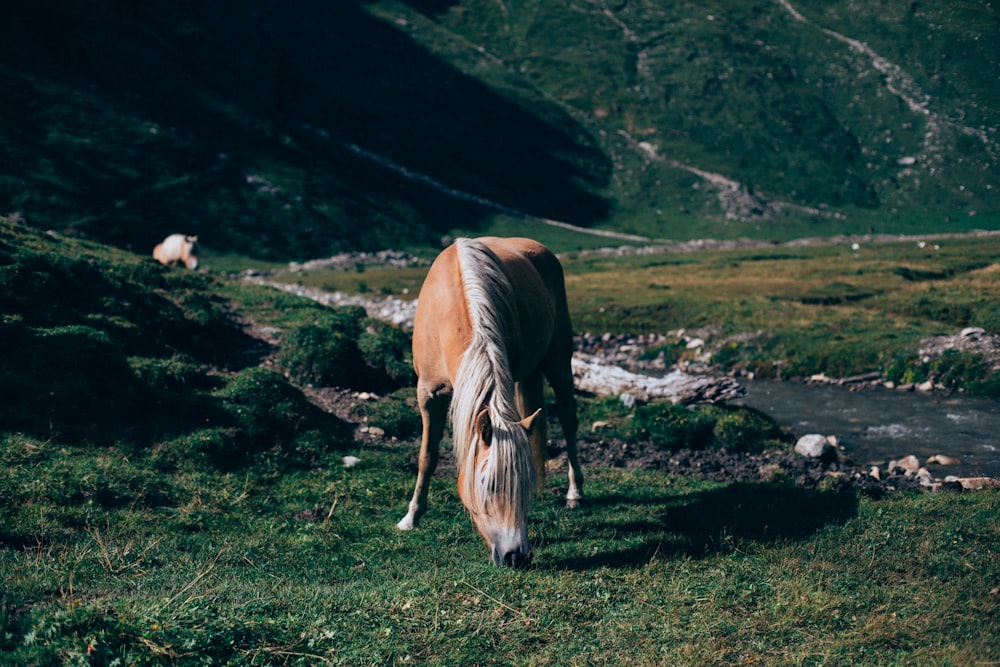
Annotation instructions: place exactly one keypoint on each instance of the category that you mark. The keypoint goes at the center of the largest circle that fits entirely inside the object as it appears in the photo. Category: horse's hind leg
(433, 411)
(561, 380)
(531, 397)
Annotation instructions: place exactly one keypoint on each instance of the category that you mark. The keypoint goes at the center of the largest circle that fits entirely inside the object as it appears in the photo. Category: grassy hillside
(288, 134)
(876, 112)
(105, 349)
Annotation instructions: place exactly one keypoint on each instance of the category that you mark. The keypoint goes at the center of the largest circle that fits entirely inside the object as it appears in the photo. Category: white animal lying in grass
(178, 249)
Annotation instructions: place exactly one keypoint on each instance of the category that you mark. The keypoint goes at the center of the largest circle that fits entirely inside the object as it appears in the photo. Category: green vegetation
(164, 499)
(112, 561)
(396, 414)
(824, 309)
(345, 348)
(672, 427)
(168, 494)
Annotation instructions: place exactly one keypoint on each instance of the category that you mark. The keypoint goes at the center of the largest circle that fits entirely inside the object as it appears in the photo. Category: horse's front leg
(433, 411)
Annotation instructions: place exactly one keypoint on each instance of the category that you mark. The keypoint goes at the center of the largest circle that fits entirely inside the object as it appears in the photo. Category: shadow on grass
(737, 516)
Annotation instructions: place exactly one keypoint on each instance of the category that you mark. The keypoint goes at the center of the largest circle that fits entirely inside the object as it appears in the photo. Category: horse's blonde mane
(485, 379)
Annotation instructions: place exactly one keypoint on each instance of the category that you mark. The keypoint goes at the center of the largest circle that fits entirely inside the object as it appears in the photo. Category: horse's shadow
(736, 516)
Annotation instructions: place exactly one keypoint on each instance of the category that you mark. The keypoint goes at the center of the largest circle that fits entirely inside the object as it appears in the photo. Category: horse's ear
(484, 427)
(529, 421)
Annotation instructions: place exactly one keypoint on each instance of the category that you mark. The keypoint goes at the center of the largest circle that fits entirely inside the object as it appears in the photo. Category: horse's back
(442, 327)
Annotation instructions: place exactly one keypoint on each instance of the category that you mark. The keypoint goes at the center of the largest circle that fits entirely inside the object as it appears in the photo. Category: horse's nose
(511, 553)
(516, 558)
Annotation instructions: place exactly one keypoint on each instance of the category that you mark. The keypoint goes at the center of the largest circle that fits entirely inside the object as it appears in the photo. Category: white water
(876, 426)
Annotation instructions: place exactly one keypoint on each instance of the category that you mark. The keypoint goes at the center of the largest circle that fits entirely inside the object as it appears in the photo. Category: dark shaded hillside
(237, 121)
(100, 348)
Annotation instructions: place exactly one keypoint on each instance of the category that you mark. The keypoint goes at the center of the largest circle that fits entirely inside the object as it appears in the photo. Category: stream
(877, 426)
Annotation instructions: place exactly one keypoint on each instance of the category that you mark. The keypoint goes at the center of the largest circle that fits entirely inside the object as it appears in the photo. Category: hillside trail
(902, 85)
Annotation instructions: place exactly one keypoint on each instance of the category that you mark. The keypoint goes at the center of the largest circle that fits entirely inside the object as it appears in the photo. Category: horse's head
(500, 487)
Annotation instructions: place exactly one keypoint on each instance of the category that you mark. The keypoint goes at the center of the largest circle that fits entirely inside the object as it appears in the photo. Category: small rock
(926, 386)
(628, 401)
(908, 465)
(972, 331)
(944, 460)
(975, 483)
(375, 431)
(597, 426)
(351, 461)
(875, 473)
(813, 446)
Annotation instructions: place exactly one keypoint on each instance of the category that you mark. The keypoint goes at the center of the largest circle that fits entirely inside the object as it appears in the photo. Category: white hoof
(406, 523)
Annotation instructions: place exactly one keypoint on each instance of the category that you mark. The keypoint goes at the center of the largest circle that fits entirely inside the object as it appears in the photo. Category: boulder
(814, 446)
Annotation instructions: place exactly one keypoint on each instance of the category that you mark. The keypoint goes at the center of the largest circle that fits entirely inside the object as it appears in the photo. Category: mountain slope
(287, 133)
(881, 113)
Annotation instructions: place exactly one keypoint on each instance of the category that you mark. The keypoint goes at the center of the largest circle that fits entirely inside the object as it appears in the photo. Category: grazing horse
(491, 321)
(177, 249)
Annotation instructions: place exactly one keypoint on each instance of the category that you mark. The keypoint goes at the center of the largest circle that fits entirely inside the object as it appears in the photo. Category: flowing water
(876, 426)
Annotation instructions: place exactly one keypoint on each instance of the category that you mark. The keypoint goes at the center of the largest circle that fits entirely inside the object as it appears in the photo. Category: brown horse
(491, 321)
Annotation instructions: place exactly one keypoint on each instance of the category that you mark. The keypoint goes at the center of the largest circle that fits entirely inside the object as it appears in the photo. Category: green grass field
(165, 501)
(271, 565)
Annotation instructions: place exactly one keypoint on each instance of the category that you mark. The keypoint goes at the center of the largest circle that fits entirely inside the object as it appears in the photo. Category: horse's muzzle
(515, 558)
